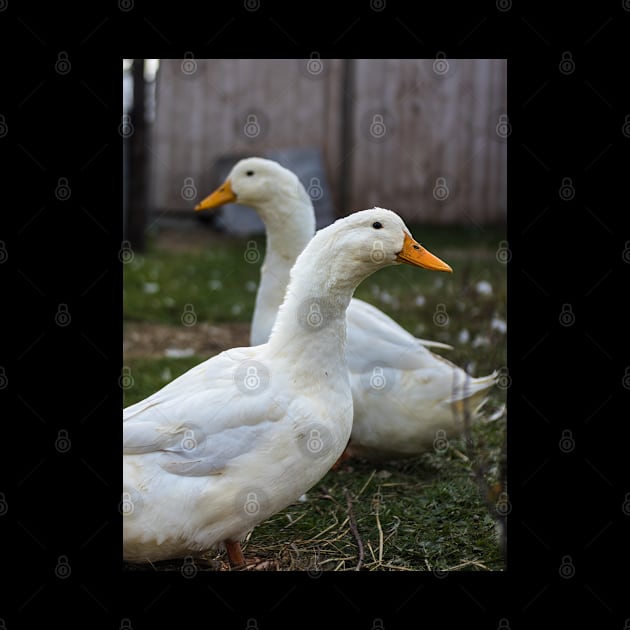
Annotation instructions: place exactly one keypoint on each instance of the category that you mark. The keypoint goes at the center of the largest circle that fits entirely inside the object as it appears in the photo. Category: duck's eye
(377, 225)
(249, 173)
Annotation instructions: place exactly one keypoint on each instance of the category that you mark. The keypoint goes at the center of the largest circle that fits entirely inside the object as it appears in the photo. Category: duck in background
(403, 393)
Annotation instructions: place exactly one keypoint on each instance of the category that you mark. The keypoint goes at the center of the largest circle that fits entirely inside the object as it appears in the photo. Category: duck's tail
(434, 344)
(469, 393)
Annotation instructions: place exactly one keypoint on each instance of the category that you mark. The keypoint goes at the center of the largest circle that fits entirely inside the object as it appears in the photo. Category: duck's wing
(375, 338)
(376, 341)
(368, 316)
(205, 418)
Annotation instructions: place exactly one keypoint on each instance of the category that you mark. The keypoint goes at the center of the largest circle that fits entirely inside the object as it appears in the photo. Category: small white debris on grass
(420, 300)
(480, 340)
(250, 286)
(483, 287)
(166, 374)
(215, 285)
(464, 336)
(179, 353)
(150, 287)
(498, 324)
(303, 498)
(386, 297)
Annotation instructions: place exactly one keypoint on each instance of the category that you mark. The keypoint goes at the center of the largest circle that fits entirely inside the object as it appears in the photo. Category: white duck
(245, 433)
(403, 393)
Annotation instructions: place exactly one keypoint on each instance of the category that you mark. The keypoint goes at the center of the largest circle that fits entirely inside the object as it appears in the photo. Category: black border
(66, 252)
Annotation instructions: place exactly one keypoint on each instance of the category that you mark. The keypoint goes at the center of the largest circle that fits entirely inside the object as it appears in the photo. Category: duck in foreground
(403, 393)
(242, 435)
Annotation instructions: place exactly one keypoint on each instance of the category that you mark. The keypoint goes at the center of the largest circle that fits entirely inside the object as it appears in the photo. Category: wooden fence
(427, 138)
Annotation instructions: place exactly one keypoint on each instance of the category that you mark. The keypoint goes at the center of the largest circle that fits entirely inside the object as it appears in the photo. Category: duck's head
(379, 238)
(259, 183)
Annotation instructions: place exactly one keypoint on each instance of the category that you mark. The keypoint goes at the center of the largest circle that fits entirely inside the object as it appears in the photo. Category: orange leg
(347, 454)
(235, 554)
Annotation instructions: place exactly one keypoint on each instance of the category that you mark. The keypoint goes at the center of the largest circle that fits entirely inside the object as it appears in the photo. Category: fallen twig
(474, 563)
(380, 529)
(365, 485)
(374, 561)
(353, 527)
(333, 525)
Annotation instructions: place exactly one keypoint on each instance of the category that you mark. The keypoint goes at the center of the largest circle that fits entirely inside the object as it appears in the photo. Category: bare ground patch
(143, 339)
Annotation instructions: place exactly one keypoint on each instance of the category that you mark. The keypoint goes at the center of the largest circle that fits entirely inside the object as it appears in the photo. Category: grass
(421, 513)
(215, 281)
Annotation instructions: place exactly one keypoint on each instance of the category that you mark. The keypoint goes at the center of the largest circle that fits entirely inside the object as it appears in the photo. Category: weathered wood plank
(414, 129)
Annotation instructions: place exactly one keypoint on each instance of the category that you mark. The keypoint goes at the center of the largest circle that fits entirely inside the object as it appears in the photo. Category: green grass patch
(215, 282)
(420, 514)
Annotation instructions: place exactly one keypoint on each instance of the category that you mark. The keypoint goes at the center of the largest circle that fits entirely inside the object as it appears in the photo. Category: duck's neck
(310, 327)
(287, 235)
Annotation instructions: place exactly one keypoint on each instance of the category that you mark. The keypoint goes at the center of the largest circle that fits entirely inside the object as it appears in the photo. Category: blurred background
(427, 138)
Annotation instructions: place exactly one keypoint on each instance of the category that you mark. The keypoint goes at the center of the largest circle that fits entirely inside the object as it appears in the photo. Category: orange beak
(413, 253)
(223, 194)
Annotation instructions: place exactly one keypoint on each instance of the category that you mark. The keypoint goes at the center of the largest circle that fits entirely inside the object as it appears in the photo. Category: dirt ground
(141, 339)
(183, 235)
